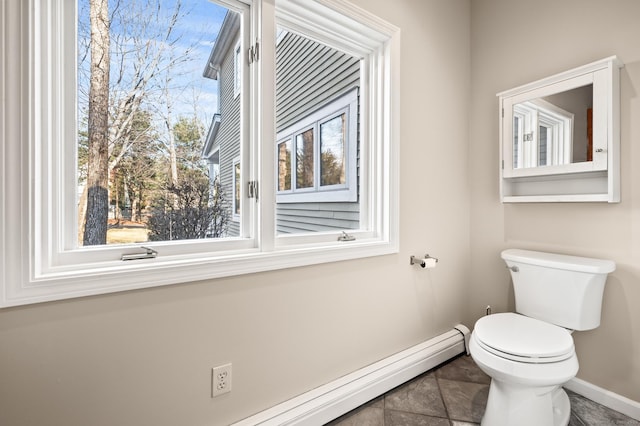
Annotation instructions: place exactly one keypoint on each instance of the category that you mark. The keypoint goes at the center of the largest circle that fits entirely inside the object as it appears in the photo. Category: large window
(319, 127)
(143, 105)
(180, 153)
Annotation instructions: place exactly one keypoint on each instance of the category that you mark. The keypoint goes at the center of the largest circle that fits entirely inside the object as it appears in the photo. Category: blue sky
(197, 28)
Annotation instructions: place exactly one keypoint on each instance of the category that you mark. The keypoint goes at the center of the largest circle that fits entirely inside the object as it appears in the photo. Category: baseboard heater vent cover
(340, 396)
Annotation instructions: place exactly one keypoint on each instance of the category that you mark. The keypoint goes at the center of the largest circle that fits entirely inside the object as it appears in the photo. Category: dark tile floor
(455, 394)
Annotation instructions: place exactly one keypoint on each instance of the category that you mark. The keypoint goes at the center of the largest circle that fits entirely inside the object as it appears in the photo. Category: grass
(128, 232)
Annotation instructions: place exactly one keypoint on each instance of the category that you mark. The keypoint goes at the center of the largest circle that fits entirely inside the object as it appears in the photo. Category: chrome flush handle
(513, 268)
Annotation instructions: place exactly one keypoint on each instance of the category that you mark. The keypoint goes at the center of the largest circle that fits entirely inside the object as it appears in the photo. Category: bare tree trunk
(97, 213)
(116, 210)
(138, 57)
(171, 146)
(171, 137)
(173, 157)
(82, 213)
(135, 214)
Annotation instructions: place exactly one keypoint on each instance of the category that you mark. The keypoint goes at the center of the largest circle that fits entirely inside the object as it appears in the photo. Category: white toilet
(530, 354)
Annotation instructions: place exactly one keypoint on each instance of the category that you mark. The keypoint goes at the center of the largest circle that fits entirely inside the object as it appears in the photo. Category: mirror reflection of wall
(579, 101)
(553, 130)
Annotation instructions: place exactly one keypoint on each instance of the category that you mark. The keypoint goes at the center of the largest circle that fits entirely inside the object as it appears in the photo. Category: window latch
(149, 254)
(253, 189)
(346, 237)
(254, 53)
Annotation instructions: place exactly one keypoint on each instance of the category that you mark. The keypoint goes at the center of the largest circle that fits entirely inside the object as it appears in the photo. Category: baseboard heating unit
(342, 395)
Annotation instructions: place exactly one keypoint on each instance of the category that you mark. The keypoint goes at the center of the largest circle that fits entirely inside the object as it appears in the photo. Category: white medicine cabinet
(560, 137)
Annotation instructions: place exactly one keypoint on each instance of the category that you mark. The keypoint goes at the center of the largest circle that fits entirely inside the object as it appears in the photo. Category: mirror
(560, 136)
(554, 130)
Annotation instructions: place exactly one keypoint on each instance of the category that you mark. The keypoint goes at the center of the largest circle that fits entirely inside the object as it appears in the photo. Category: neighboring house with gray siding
(317, 94)
(222, 145)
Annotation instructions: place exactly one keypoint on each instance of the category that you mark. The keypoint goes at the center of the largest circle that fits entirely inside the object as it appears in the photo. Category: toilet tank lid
(560, 261)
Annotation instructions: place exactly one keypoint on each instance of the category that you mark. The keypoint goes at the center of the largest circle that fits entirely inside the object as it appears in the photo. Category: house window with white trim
(317, 156)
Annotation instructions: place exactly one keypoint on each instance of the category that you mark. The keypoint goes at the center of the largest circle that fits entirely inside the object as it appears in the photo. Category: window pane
(284, 166)
(304, 159)
(236, 189)
(317, 96)
(332, 164)
(147, 118)
(542, 145)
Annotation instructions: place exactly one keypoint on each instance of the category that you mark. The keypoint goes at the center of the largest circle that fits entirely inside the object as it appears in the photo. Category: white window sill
(118, 276)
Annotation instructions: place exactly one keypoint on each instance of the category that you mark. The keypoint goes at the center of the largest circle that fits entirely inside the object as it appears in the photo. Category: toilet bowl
(530, 354)
(528, 361)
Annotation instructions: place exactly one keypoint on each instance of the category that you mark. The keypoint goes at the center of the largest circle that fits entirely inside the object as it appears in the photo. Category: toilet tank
(559, 289)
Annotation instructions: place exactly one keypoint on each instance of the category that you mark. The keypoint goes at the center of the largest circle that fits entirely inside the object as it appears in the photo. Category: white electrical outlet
(220, 380)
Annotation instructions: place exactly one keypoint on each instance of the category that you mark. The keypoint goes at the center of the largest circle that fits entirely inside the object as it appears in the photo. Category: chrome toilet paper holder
(417, 261)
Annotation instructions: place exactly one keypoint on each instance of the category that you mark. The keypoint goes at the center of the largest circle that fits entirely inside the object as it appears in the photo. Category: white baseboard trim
(604, 397)
(340, 396)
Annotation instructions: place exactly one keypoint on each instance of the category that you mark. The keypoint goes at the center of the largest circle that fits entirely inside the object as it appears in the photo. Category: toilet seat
(523, 339)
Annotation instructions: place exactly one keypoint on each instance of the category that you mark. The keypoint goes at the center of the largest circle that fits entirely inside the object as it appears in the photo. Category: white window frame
(34, 81)
(347, 192)
(214, 168)
(236, 203)
(237, 69)
(533, 115)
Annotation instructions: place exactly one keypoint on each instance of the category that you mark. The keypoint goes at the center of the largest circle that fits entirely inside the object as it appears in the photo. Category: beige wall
(514, 42)
(144, 357)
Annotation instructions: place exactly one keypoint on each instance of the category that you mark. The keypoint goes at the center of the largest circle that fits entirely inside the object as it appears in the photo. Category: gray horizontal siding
(317, 217)
(308, 76)
(229, 134)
